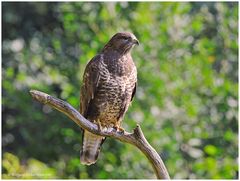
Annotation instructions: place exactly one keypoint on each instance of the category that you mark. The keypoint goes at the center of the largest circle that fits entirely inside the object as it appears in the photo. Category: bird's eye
(125, 38)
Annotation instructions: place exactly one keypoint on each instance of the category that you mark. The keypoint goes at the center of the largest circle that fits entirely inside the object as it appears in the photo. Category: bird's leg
(98, 123)
(118, 127)
(121, 129)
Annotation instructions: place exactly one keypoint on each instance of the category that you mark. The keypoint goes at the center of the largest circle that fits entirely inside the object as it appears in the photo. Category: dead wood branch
(136, 138)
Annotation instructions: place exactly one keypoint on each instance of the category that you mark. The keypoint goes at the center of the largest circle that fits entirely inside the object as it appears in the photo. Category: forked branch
(136, 138)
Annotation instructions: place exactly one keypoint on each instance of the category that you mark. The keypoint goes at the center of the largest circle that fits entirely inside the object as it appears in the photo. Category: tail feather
(90, 148)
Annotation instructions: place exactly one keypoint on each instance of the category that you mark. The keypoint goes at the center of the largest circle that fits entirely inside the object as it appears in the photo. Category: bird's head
(122, 42)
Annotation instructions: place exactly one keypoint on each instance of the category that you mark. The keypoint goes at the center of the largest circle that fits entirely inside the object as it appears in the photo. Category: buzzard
(109, 85)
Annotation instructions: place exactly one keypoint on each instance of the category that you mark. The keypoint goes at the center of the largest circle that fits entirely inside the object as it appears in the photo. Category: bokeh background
(186, 100)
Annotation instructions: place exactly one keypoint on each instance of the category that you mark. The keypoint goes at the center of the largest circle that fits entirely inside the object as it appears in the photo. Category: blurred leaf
(186, 99)
(210, 149)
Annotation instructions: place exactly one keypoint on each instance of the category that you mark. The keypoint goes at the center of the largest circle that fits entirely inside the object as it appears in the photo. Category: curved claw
(119, 129)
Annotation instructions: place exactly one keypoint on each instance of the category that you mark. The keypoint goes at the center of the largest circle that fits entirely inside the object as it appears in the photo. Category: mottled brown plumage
(109, 84)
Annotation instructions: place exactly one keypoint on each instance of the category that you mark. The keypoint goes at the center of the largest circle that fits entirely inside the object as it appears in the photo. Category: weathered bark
(136, 138)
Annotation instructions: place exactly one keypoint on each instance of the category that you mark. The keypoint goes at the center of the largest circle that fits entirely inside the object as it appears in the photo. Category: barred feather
(109, 84)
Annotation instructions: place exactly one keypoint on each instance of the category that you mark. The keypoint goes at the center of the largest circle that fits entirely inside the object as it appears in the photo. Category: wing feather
(91, 79)
(134, 91)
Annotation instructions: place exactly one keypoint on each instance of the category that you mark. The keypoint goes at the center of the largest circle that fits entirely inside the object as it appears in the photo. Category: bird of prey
(109, 85)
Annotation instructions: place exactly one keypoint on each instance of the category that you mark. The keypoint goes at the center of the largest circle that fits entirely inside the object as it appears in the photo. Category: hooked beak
(135, 41)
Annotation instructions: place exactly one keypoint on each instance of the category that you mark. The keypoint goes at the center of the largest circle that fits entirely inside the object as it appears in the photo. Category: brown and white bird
(109, 85)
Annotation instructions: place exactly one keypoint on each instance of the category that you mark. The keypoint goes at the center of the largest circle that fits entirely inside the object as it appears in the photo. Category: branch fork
(136, 138)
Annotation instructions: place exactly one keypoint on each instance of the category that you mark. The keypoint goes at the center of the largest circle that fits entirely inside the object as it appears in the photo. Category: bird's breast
(113, 93)
(111, 99)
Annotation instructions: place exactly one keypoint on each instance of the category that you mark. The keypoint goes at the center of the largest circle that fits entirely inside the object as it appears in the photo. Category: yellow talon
(119, 128)
(99, 125)
(122, 130)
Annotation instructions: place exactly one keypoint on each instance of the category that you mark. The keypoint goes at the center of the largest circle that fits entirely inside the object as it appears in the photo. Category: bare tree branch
(136, 138)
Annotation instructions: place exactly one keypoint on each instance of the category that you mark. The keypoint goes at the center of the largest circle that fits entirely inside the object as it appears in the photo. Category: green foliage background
(186, 100)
